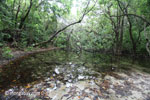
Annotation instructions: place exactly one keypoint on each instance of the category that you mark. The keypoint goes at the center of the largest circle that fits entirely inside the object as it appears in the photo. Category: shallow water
(66, 67)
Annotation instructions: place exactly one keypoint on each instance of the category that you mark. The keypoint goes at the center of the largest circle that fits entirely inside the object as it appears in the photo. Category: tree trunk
(125, 11)
(118, 30)
(18, 10)
(131, 35)
(147, 40)
(13, 7)
(148, 46)
(24, 18)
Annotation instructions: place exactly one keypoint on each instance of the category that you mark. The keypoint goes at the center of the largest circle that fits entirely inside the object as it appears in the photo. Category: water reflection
(61, 68)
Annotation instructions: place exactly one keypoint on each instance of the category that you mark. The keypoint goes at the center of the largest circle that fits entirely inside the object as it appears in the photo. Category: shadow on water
(63, 66)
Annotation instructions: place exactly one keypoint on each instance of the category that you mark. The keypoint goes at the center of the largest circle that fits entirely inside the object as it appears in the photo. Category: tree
(59, 31)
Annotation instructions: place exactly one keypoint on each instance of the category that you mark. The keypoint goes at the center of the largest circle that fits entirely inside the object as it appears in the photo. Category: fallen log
(24, 55)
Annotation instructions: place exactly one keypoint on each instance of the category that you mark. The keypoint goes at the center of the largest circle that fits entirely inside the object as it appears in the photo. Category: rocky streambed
(59, 76)
(135, 86)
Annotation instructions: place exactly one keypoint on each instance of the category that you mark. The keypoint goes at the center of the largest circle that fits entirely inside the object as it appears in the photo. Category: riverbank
(20, 55)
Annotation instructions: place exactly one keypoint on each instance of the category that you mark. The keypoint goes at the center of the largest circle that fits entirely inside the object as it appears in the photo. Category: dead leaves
(105, 85)
(14, 81)
(115, 75)
(28, 86)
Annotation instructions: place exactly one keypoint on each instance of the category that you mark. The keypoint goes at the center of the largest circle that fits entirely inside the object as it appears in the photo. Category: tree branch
(145, 20)
(79, 21)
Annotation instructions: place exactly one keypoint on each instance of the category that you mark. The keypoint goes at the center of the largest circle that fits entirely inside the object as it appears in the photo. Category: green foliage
(30, 48)
(7, 52)
(98, 30)
(1, 44)
(41, 21)
(61, 40)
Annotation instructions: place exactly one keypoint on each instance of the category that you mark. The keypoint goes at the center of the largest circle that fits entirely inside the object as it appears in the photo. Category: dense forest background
(117, 26)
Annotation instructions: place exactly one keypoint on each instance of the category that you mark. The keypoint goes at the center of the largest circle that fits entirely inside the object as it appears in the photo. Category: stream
(61, 75)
